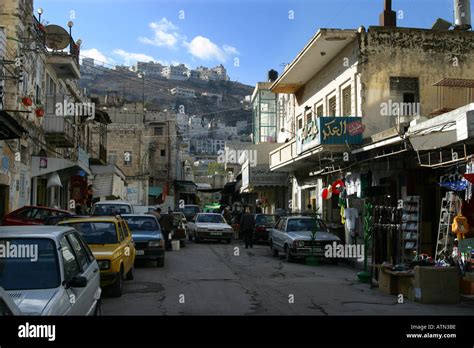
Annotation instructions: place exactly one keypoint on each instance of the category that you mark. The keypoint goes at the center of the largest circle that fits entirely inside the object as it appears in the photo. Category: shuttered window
(346, 101)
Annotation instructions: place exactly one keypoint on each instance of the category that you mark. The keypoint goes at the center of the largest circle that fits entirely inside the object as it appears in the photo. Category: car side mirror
(77, 282)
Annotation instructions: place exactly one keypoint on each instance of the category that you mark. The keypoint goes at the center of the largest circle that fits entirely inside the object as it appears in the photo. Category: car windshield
(299, 225)
(111, 209)
(97, 232)
(28, 264)
(210, 218)
(142, 224)
(265, 219)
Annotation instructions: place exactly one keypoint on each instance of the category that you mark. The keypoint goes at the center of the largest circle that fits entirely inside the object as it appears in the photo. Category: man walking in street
(166, 223)
(247, 225)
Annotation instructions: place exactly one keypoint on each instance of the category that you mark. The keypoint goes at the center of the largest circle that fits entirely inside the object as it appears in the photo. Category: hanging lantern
(325, 193)
(39, 112)
(337, 186)
(27, 101)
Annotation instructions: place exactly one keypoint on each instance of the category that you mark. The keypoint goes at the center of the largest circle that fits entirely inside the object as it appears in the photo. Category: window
(79, 250)
(404, 93)
(162, 152)
(71, 267)
(320, 111)
(332, 106)
(158, 131)
(309, 116)
(300, 122)
(125, 229)
(346, 101)
(112, 157)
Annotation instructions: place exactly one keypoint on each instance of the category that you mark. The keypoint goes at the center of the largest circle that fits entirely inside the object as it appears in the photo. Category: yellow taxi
(111, 242)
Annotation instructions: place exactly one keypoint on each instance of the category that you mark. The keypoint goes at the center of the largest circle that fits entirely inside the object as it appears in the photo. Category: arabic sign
(330, 131)
(261, 175)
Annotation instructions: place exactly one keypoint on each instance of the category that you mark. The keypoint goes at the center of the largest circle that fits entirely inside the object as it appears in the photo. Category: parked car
(7, 306)
(111, 243)
(189, 211)
(146, 233)
(55, 219)
(180, 230)
(210, 226)
(292, 236)
(56, 275)
(32, 215)
(263, 222)
(112, 208)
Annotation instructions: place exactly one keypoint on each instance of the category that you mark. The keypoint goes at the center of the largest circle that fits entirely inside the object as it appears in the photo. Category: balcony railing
(59, 131)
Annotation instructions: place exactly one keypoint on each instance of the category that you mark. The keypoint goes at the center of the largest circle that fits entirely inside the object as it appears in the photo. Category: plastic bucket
(175, 245)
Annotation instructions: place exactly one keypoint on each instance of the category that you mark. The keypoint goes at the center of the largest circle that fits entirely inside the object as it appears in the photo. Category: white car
(49, 270)
(7, 306)
(207, 226)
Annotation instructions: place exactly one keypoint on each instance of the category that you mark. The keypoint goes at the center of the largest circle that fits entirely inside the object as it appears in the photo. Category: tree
(215, 168)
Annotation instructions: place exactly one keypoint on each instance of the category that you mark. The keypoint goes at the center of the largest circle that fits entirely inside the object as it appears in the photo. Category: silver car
(292, 235)
(49, 270)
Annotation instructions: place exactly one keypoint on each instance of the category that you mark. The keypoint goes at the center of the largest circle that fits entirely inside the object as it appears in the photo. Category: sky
(249, 37)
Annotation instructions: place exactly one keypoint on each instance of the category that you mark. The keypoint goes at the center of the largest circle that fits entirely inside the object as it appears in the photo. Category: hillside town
(363, 144)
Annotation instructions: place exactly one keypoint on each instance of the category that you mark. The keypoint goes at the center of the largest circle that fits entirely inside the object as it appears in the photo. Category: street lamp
(70, 24)
(40, 12)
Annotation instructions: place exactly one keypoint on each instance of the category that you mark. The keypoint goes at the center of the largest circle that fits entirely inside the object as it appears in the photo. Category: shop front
(56, 182)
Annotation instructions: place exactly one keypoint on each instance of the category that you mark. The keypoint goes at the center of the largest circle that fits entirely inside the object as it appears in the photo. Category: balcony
(325, 134)
(64, 63)
(58, 131)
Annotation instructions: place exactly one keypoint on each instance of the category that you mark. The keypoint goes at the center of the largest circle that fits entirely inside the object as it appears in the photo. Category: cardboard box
(406, 287)
(466, 286)
(436, 285)
(387, 282)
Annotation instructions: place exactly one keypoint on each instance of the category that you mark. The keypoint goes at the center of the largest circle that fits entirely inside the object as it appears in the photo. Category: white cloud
(231, 51)
(165, 33)
(203, 48)
(131, 58)
(98, 56)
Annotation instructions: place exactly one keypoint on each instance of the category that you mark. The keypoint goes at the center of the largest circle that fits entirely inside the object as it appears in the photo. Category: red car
(32, 215)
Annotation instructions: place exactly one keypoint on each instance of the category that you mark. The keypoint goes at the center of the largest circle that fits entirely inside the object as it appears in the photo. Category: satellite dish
(57, 38)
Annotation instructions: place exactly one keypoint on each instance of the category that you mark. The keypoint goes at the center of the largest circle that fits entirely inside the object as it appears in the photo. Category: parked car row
(67, 266)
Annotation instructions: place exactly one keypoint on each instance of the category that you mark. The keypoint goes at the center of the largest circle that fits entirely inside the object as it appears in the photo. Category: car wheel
(160, 262)
(196, 239)
(288, 256)
(228, 241)
(116, 289)
(333, 261)
(131, 273)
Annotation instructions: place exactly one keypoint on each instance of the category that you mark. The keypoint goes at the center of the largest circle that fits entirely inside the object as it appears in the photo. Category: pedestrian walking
(247, 225)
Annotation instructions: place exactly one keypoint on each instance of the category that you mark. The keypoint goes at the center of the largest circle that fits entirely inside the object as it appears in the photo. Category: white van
(111, 208)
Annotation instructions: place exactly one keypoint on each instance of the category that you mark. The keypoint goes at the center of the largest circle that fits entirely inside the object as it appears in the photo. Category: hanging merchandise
(454, 182)
(460, 226)
(337, 187)
(469, 177)
(327, 192)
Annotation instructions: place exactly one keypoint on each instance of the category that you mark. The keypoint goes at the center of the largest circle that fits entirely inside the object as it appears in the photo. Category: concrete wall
(426, 54)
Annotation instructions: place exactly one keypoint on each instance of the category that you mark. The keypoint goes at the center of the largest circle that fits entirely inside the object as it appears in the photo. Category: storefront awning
(9, 127)
(443, 130)
(46, 165)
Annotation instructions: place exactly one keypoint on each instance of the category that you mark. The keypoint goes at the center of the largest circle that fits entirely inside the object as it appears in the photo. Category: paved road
(207, 279)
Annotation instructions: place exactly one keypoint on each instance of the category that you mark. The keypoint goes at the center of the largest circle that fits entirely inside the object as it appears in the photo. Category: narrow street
(215, 282)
